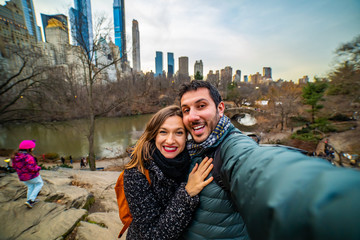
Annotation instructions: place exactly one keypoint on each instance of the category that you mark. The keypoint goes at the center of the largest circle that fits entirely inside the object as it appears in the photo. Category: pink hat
(27, 144)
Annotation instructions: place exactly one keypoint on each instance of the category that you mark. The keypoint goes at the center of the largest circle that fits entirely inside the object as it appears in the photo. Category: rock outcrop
(74, 204)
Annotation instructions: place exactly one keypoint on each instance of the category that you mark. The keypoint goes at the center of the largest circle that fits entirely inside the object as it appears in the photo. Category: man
(279, 193)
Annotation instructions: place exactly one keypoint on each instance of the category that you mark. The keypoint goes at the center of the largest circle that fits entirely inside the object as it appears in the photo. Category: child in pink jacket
(25, 164)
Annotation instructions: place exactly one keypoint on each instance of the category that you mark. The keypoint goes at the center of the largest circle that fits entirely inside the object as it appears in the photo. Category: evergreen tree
(313, 92)
(198, 76)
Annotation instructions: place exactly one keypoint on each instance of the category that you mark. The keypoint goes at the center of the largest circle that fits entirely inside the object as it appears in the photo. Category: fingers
(207, 171)
(205, 165)
(204, 161)
(207, 181)
(194, 169)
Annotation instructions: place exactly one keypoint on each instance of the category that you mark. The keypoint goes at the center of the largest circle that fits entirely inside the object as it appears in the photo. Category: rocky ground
(81, 204)
(74, 204)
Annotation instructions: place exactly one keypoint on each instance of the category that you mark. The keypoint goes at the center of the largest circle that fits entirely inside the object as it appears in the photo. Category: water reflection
(112, 136)
(247, 120)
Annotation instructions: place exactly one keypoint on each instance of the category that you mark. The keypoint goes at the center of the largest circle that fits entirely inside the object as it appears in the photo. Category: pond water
(112, 136)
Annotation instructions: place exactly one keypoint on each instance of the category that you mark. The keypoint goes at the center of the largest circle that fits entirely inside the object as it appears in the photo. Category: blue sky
(294, 38)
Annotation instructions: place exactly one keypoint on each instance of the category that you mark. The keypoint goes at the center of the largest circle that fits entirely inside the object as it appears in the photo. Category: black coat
(161, 210)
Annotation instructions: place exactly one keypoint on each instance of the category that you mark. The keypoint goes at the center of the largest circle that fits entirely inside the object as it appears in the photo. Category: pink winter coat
(25, 166)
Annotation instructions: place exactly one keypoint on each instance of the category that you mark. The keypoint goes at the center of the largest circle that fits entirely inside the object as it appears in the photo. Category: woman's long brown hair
(142, 150)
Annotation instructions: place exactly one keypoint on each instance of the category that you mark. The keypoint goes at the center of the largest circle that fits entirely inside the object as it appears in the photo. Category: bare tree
(24, 72)
(285, 101)
(101, 93)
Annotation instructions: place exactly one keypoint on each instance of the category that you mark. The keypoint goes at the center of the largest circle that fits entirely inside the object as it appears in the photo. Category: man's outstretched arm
(283, 194)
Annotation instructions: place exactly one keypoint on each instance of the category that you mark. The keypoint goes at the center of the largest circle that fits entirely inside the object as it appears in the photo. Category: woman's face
(171, 137)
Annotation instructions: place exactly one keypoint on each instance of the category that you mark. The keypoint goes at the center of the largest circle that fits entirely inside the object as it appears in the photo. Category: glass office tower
(81, 24)
(170, 57)
(30, 18)
(119, 28)
(158, 64)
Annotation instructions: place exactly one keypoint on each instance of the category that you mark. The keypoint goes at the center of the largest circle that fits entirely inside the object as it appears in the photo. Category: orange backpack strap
(124, 211)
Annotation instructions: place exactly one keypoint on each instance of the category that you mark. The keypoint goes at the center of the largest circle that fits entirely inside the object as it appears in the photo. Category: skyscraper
(119, 28)
(27, 7)
(158, 64)
(12, 23)
(59, 17)
(237, 76)
(170, 58)
(198, 67)
(136, 46)
(81, 24)
(183, 68)
(267, 72)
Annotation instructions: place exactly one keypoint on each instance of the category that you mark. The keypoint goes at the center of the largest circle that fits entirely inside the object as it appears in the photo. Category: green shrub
(303, 131)
(308, 137)
(323, 125)
(65, 166)
(51, 156)
(339, 117)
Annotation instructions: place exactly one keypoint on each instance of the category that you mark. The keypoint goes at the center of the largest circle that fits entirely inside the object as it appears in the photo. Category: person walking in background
(71, 160)
(82, 162)
(62, 160)
(24, 162)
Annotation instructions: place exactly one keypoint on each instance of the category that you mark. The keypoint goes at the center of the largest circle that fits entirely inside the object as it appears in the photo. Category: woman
(25, 164)
(163, 209)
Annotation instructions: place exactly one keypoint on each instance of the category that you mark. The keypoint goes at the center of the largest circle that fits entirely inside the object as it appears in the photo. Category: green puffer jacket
(216, 216)
(281, 194)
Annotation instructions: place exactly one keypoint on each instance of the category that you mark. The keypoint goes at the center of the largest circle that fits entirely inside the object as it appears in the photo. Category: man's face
(200, 115)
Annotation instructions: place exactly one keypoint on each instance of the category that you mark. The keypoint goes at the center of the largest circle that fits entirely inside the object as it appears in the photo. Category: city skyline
(293, 38)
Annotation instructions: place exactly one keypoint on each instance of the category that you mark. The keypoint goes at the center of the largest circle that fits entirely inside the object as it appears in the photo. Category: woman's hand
(196, 181)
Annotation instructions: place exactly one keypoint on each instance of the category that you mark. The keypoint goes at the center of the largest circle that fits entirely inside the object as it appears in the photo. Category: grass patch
(308, 137)
(89, 202)
(99, 224)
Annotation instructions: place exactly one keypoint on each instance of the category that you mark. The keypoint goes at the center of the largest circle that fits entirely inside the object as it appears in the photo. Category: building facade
(237, 76)
(57, 35)
(119, 28)
(27, 7)
(104, 58)
(183, 68)
(198, 67)
(246, 78)
(267, 72)
(255, 78)
(81, 24)
(158, 63)
(304, 80)
(226, 76)
(213, 78)
(59, 17)
(170, 61)
(13, 28)
(136, 46)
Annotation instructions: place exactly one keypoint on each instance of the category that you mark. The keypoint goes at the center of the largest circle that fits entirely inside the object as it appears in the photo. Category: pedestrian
(24, 162)
(82, 162)
(62, 160)
(278, 192)
(85, 162)
(164, 208)
(71, 160)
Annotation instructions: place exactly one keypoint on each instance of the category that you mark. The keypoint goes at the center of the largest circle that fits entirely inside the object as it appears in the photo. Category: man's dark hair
(195, 84)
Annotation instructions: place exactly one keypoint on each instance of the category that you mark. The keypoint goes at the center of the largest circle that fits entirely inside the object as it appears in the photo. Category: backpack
(124, 211)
